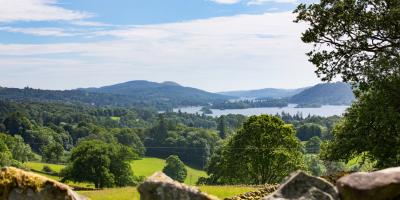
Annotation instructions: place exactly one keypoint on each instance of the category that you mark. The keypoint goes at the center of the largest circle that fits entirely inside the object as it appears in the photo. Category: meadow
(144, 167)
(130, 193)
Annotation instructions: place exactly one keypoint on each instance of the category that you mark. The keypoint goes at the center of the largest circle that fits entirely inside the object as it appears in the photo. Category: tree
(129, 138)
(358, 40)
(52, 152)
(265, 150)
(313, 145)
(314, 165)
(175, 168)
(222, 129)
(370, 128)
(17, 123)
(5, 155)
(105, 165)
(307, 131)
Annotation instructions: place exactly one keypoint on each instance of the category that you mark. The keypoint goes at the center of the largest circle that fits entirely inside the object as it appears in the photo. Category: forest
(96, 132)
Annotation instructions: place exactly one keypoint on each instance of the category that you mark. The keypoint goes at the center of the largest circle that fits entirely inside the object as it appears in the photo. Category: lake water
(325, 111)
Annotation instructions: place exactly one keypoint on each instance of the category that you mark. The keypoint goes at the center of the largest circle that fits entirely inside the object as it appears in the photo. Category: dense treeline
(243, 104)
(62, 133)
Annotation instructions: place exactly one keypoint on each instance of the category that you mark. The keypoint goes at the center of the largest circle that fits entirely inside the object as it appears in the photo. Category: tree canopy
(265, 150)
(358, 40)
(105, 165)
(370, 128)
(175, 168)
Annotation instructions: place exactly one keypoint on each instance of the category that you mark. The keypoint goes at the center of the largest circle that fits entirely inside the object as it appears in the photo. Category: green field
(147, 166)
(130, 193)
(144, 167)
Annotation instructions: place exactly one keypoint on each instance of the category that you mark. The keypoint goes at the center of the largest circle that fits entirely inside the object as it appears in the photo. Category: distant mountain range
(168, 95)
(338, 93)
(162, 96)
(167, 91)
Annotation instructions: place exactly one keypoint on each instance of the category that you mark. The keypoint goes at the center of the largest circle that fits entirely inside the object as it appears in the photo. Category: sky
(215, 45)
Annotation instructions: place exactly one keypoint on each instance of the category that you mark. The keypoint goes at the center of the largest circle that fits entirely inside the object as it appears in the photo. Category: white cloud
(37, 10)
(40, 31)
(226, 1)
(260, 2)
(224, 53)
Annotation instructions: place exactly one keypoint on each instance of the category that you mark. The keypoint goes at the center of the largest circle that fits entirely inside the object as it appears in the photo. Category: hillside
(325, 94)
(166, 91)
(264, 93)
(161, 96)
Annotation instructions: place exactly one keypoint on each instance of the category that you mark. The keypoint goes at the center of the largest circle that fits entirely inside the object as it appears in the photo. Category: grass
(130, 193)
(38, 166)
(115, 118)
(144, 167)
(147, 166)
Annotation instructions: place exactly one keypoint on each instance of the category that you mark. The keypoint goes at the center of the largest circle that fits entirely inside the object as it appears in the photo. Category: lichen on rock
(17, 184)
(161, 187)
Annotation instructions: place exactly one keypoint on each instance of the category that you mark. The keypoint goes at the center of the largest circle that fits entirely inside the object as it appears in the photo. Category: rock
(161, 187)
(16, 184)
(256, 195)
(384, 184)
(300, 186)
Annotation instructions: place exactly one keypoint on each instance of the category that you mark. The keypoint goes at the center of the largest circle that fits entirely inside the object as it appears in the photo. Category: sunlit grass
(147, 166)
(130, 193)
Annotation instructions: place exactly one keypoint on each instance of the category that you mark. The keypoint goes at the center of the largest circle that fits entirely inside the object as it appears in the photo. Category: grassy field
(130, 193)
(147, 166)
(144, 167)
(57, 168)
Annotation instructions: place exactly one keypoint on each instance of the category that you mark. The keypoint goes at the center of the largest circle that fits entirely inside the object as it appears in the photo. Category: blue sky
(214, 45)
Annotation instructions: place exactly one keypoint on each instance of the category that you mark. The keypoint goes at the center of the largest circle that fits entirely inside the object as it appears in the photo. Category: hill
(165, 92)
(162, 96)
(264, 93)
(325, 94)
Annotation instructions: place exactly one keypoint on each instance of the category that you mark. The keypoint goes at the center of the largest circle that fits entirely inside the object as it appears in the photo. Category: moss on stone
(12, 178)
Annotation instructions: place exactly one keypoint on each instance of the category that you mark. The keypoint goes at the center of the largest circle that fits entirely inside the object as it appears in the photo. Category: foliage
(309, 130)
(13, 150)
(175, 169)
(314, 165)
(243, 104)
(265, 150)
(313, 145)
(370, 128)
(358, 40)
(222, 127)
(166, 139)
(105, 165)
(52, 153)
(130, 138)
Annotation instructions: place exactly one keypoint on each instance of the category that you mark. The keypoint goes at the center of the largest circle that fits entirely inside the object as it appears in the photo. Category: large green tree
(370, 128)
(265, 150)
(175, 168)
(357, 40)
(105, 165)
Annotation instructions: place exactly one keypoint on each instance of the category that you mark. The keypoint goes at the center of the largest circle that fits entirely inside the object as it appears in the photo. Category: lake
(325, 111)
